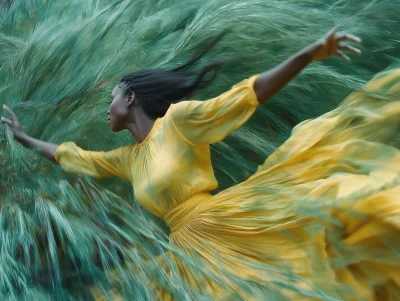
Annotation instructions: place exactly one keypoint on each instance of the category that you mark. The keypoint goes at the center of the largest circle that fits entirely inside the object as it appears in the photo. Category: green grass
(59, 61)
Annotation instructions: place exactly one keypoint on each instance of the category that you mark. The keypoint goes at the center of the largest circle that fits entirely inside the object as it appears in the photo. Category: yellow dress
(324, 207)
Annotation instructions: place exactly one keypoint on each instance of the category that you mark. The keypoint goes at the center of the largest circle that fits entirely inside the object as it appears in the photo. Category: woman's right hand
(13, 122)
(46, 149)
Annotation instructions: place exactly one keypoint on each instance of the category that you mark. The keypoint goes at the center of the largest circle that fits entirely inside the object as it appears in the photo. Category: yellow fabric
(95, 164)
(324, 206)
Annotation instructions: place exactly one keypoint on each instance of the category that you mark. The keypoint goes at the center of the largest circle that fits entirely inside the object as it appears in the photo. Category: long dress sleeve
(74, 159)
(210, 121)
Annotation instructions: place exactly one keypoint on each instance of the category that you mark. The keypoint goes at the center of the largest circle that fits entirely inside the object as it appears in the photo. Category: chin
(114, 130)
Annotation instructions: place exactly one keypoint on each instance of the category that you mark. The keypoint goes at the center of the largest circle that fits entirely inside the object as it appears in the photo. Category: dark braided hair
(157, 89)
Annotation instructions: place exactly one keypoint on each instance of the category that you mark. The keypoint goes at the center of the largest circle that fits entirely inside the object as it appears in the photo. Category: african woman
(326, 164)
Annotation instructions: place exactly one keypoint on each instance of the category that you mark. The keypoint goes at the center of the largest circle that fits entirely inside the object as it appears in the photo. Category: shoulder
(187, 108)
(179, 107)
(178, 111)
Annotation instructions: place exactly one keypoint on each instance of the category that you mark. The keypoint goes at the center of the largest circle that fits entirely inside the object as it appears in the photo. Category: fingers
(350, 48)
(7, 109)
(6, 121)
(343, 56)
(349, 37)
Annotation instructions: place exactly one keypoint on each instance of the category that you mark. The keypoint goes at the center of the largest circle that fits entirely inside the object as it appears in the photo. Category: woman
(260, 225)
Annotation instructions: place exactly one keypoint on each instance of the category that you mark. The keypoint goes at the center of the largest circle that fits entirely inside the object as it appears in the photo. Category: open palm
(13, 122)
(333, 44)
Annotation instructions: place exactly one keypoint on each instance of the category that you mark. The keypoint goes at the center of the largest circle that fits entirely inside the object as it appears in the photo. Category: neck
(141, 126)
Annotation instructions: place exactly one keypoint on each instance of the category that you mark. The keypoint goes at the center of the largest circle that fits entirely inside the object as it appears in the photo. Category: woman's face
(119, 108)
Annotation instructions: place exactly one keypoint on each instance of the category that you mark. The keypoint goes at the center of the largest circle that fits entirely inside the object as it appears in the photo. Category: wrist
(19, 136)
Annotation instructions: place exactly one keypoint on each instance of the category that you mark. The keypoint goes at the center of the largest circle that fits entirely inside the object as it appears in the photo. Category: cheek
(118, 111)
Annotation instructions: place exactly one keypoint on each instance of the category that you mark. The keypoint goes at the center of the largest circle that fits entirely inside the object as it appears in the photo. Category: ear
(131, 98)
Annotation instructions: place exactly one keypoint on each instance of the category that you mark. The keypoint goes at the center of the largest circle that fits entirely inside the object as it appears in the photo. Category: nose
(108, 113)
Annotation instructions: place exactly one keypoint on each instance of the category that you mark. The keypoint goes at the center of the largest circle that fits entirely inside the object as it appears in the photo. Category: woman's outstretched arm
(210, 121)
(72, 158)
(47, 149)
(271, 81)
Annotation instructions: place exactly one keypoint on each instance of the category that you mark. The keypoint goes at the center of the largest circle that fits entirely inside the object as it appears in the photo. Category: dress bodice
(173, 163)
(166, 170)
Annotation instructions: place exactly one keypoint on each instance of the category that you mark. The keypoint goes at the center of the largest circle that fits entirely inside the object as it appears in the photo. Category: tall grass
(59, 60)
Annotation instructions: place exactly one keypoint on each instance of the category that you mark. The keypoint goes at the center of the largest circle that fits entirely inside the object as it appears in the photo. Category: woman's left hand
(332, 44)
